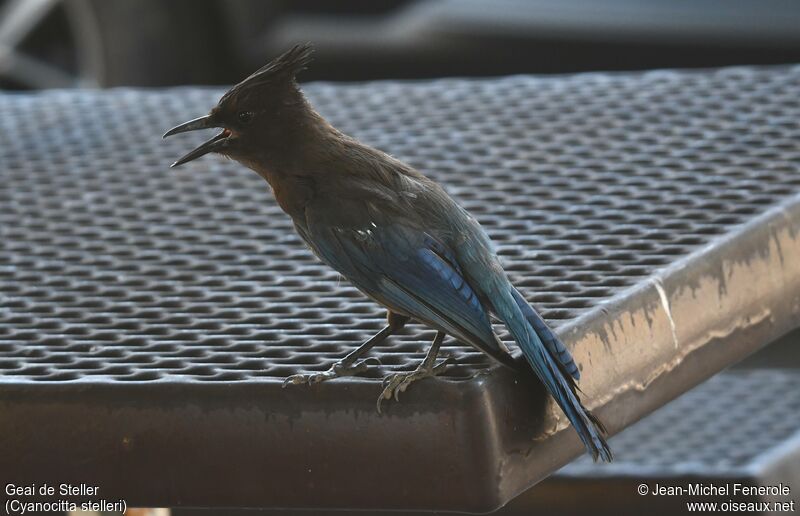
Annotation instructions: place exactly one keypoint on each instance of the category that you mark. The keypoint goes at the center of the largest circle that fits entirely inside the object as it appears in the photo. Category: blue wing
(411, 273)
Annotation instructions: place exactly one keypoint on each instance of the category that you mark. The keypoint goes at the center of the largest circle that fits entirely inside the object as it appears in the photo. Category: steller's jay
(394, 233)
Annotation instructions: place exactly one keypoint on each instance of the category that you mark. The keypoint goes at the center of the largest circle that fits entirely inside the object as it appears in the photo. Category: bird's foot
(396, 383)
(337, 370)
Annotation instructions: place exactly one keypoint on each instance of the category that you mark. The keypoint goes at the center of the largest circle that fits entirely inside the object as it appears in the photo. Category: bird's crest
(285, 66)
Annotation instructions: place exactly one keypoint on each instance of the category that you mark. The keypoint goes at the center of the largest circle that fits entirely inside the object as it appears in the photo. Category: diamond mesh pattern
(115, 268)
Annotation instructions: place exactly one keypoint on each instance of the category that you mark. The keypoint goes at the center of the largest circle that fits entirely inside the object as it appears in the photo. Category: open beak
(215, 144)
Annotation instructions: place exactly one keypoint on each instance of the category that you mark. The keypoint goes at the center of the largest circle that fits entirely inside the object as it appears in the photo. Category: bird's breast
(293, 193)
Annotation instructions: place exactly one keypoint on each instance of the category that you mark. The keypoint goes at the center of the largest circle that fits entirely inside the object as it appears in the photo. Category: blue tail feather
(554, 367)
(550, 339)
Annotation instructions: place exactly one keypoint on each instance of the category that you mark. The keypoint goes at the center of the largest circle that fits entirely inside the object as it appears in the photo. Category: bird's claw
(337, 370)
(396, 383)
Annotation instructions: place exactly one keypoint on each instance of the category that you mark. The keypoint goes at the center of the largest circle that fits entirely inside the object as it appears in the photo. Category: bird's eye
(245, 116)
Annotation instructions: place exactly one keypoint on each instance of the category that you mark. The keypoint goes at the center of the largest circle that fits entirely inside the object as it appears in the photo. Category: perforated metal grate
(756, 412)
(113, 267)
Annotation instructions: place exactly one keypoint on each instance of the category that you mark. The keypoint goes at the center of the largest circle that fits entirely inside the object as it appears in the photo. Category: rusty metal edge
(467, 446)
(662, 337)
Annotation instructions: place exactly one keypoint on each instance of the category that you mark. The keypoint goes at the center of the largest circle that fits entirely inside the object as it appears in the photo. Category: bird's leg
(396, 383)
(349, 365)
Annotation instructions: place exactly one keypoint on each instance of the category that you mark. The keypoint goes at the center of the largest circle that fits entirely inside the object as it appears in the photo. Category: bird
(394, 233)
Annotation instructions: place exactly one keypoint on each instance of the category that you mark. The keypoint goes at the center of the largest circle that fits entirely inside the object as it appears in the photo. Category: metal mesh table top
(114, 268)
(721, 428)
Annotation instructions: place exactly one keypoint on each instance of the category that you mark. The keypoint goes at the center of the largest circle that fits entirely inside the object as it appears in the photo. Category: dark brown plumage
(394, 233)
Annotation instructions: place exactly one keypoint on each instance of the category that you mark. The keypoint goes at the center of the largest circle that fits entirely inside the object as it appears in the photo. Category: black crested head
(261, 113)
(282, 69)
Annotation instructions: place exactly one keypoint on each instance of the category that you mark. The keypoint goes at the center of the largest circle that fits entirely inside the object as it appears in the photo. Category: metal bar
(18, 18)
(666, 335)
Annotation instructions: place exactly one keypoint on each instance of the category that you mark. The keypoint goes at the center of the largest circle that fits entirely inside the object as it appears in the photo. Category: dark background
(63, 43)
